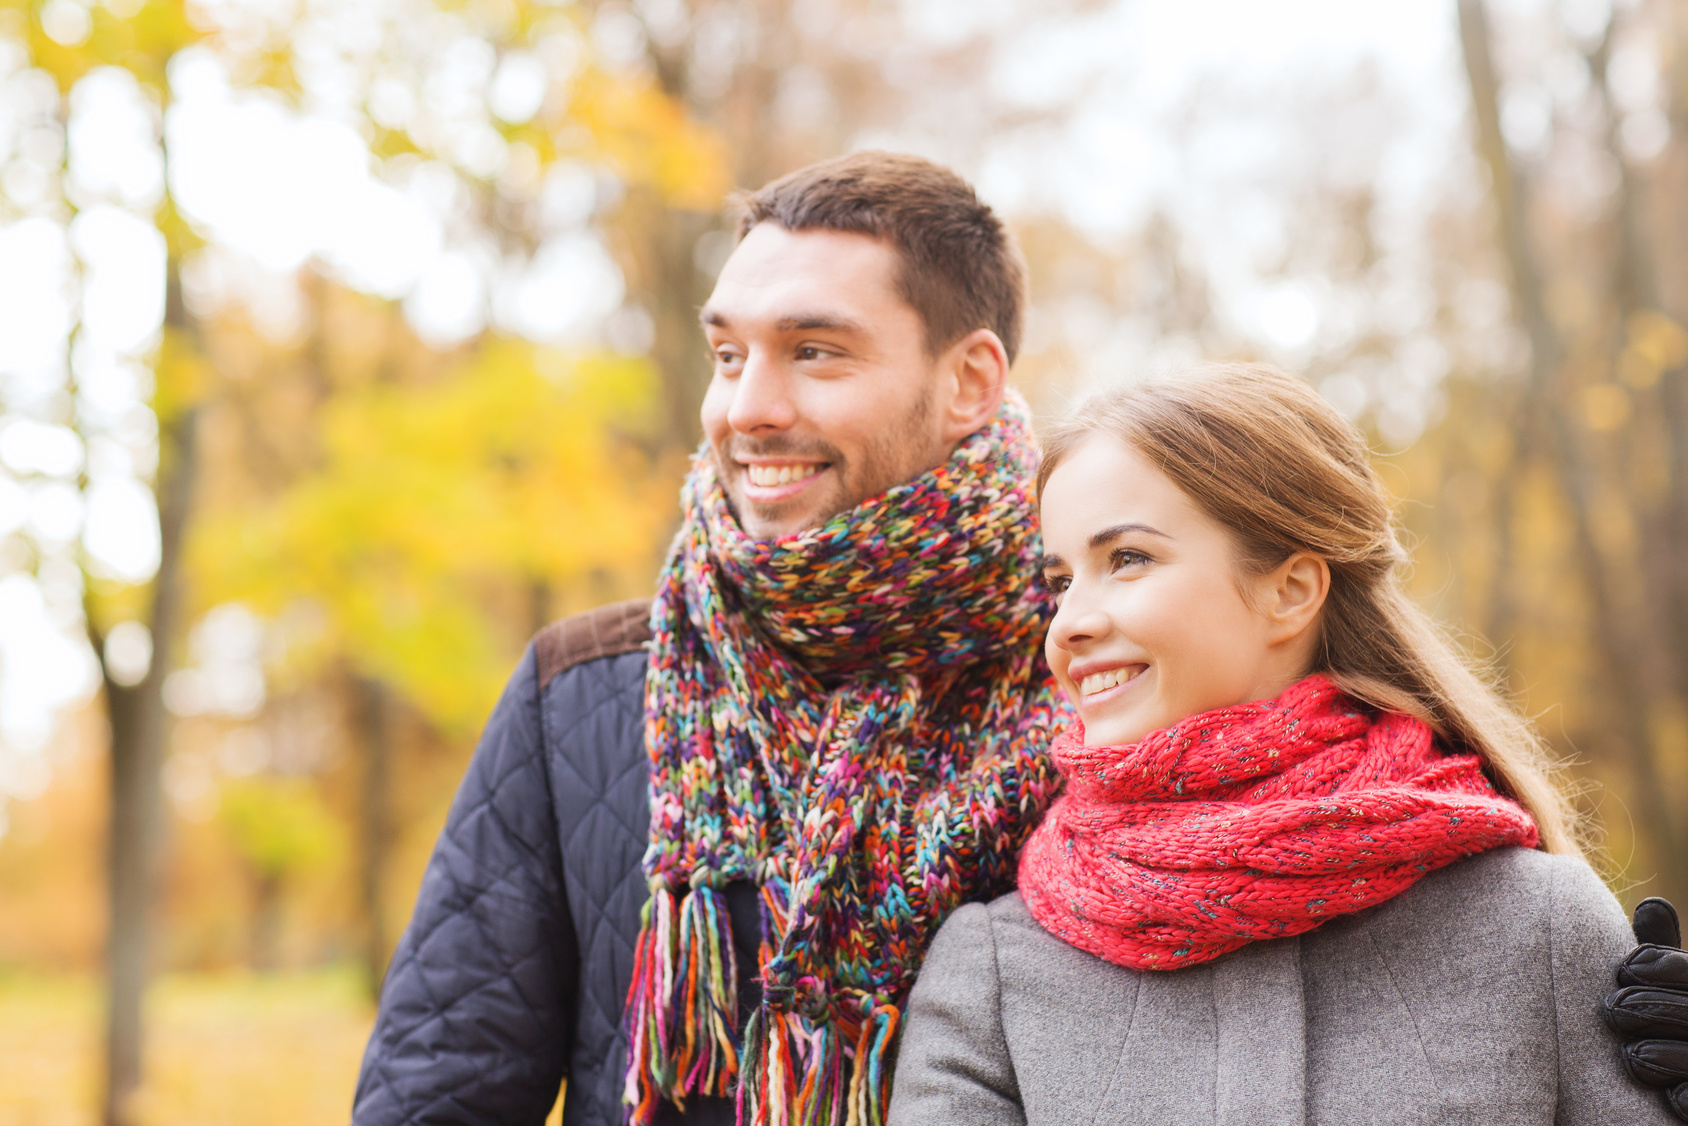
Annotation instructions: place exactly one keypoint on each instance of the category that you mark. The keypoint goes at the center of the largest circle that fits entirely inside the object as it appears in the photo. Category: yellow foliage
(1656, 344)
(52, 875)
(1605, 406)
(432, 497)
(140, 36)
(1659, 338)
(181, 375)
(649, 138)
(278, 825)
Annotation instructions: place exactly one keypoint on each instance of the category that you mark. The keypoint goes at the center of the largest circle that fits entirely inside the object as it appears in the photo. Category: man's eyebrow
(1107, 535)
(803, 322)
(797, 322)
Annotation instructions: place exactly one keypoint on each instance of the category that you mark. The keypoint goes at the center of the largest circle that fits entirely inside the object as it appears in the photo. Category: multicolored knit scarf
(1251, 822)
(855, 718)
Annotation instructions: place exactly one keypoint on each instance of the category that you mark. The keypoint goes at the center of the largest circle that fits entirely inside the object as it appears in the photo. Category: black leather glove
(1651, 1010)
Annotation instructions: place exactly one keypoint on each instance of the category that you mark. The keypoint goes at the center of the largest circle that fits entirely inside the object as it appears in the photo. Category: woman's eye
(1056, 584)
(1125, 557)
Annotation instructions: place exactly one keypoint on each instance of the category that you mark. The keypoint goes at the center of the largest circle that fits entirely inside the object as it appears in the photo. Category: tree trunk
(1508, 195)
(657, 245)
(135, 740)
(1673, 383)
(1546, 428)
(265, 950)
(138, 728)
(375, 824)
(1635, 286)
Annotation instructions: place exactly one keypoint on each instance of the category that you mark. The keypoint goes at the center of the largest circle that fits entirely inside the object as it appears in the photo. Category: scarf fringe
(682, 1009)
(708, 974)
(682, 1004)
(799, 1074)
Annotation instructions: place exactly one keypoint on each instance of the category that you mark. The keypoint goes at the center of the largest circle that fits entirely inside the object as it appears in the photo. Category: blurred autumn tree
(421, 508)
(281, 830)
(136, 52)
(1567, 497)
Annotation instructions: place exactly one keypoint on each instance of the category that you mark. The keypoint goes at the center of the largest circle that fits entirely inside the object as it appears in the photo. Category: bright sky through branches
(274, 187)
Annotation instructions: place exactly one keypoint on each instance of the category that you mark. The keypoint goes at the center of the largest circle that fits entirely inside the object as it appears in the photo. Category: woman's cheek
(1192, 649)
(1056, 658)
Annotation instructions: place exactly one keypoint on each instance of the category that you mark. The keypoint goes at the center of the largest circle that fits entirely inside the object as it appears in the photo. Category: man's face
(823, 393)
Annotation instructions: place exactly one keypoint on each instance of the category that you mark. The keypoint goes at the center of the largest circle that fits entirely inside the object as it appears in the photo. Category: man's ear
(975, 368)
(1295, 593)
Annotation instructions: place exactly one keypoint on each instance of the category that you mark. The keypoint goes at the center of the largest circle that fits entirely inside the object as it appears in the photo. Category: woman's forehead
(1105, 482)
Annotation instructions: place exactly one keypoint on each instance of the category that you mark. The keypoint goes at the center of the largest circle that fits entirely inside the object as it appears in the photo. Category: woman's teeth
(770, 475)
(1101, 681)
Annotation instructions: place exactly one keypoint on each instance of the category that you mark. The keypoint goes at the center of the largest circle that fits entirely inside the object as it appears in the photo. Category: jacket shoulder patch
(608, 631)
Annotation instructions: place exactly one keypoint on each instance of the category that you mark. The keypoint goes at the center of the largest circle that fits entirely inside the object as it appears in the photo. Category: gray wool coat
(1471, 998)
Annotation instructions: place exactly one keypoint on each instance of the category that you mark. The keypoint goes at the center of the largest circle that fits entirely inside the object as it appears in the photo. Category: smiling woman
(1153, 606)
(1293, 569)
(1283, 784)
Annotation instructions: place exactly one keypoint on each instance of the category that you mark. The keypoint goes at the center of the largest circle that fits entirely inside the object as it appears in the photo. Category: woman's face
(1157, 621)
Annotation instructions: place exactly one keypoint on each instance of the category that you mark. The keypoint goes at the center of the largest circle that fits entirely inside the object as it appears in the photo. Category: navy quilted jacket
(512, 974)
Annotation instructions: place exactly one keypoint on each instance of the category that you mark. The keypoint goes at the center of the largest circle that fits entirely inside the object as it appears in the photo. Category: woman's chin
(1114, 731)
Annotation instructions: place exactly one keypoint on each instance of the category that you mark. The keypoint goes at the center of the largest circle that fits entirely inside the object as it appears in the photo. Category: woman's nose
(762, 399)
(1078, 621)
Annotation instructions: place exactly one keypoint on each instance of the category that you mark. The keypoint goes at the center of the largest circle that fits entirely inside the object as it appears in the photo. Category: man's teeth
(769, 475)
(1100, 681)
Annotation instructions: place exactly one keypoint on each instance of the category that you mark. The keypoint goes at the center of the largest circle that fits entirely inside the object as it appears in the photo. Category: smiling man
(704, 841)
(828, 385)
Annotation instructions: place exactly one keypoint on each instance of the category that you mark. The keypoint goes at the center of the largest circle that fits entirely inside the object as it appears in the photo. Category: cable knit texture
(1251, 822)
(854, 718)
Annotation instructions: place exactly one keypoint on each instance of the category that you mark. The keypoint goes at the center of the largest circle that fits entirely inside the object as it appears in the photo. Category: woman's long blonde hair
(1261, 452)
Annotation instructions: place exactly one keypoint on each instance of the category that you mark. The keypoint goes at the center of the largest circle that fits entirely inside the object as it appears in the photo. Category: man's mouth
(770, 475)
(1098, 682)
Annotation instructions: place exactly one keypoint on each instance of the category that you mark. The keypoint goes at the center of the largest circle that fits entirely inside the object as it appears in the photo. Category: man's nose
(762, 397)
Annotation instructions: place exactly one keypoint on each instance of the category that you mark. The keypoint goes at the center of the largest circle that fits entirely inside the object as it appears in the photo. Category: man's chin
(762, 522)
(764, 528)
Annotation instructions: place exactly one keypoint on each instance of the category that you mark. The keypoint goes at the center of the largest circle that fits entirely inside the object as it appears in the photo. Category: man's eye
(809, 353)
(726, 359)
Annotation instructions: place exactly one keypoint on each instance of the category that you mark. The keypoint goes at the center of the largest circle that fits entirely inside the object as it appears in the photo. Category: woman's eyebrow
(1107, 535)
(1049, 561)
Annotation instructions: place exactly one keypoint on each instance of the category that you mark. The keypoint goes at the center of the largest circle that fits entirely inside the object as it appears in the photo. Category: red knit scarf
(1256, 821)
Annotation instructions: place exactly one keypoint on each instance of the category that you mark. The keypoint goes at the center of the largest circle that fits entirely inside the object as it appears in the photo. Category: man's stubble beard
(884, 464)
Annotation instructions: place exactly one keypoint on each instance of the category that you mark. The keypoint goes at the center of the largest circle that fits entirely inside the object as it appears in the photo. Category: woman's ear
(977, 368)
(1295, 593)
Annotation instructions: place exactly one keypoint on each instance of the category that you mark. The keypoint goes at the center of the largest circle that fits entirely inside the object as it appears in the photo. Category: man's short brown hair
(960, 268)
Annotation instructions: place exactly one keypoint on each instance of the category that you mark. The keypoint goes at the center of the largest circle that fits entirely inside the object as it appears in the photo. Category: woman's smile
(1099, 686)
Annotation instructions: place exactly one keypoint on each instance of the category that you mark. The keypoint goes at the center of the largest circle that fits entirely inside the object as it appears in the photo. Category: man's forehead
(791, 280)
